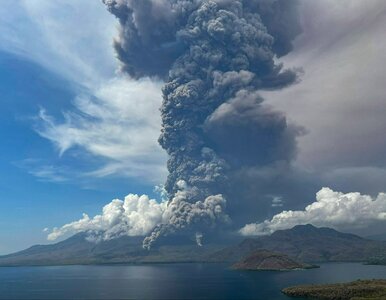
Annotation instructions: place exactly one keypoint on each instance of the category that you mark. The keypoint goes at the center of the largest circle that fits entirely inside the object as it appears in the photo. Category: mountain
(77, 250)
(304, 243)
(268, 260)
(377, 237)
(308, 244)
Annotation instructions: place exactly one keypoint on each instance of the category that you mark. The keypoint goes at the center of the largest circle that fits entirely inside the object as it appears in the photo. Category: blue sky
(75, 133)
(32, 195)
(46, 181)
(30, 203)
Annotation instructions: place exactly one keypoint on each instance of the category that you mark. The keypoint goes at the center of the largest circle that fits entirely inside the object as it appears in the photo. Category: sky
(77, 133)
(54, 75)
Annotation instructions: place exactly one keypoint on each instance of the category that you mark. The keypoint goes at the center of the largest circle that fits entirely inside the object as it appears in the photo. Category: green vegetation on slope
(356, 290)
(379, 259)
(309, 244)
(267, 260)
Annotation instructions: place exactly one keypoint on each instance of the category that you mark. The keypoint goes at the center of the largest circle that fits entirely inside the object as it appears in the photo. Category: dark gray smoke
(214, 56)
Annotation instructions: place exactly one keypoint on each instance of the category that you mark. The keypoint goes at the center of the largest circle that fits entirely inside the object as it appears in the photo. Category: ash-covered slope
(309, 244)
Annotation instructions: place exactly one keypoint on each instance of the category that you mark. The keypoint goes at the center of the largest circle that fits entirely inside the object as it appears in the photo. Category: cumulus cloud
(331, 209)
(133, 216)
(140, 215)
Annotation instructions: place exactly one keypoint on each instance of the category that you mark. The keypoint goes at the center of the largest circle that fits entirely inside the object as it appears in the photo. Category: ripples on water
(168, 281)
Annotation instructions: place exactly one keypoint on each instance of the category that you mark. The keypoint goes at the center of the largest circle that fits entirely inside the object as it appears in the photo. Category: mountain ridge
(309, 244)
(302, 243)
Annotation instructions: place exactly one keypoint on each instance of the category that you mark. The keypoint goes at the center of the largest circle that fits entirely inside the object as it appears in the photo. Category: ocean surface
(167, 281)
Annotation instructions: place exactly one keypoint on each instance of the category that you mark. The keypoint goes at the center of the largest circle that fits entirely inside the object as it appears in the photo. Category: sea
(168, 281)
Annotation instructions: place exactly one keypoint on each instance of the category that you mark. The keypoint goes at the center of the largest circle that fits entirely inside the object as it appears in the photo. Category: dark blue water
(169, 281)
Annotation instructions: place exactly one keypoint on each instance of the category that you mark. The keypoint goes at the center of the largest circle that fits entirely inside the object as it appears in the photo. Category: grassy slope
(267, 260)
(309, 244)
(360, 289)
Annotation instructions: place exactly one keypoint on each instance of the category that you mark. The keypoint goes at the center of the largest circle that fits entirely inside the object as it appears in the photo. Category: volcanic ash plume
(214, 56)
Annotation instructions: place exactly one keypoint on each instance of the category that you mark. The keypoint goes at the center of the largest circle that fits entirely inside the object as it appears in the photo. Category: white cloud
(331, 209)
(114, 118)
(46, 172)
(277, 201)
(139, 216)
(72, 38)
(134, 216)
(120, 123)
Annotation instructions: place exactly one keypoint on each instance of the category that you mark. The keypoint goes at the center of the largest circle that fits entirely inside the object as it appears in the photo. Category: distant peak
(309, 226)
(307, 229)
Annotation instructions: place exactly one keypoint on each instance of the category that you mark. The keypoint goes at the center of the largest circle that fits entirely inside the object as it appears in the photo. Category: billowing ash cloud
(183, 216)
(214, 56)
(331, 209)
(150, 38)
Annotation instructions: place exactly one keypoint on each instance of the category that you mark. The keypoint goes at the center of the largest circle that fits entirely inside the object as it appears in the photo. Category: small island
(265, 260)
(356, 290)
